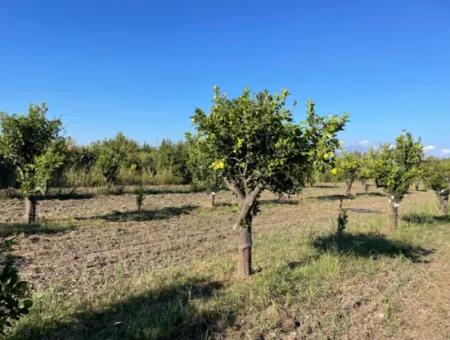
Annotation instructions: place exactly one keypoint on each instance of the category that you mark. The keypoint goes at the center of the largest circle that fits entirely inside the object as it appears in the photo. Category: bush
(14, 293)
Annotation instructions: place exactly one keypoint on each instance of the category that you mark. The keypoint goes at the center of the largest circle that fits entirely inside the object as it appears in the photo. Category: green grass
(297, 275)
(310, 283)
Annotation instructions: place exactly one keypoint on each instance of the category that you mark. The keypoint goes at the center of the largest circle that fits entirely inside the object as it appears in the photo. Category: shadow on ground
(65, 196)
(377, 194)
(324, 186)
(421, 218)
(161, 191)
(277, 201)
(7, 229)
(168, 313)
(363, 210)
(147, 215)
(370, 245)
(334, 197)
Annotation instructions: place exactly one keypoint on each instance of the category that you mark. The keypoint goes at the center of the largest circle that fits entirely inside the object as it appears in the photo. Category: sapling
(436, 177)
(349, 165)
(140, 197)
(342, 220)
(395, 170)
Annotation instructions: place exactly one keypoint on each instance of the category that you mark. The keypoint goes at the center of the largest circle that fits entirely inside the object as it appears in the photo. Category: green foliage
(109, 162)
(253, 143)
(396, 165)
(342, 219)
(14, 293)
(7, 173)
(121, 160)
(436, 175)
(32, 144)
(349, 166)
(203, 175)
(367, 166)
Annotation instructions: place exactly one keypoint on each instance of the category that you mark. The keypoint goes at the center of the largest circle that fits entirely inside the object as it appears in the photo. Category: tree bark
(443, 202)
(348, 191)
(30, 210)
(244, 221)
(366, 187)
(245, 251)
(394, 213)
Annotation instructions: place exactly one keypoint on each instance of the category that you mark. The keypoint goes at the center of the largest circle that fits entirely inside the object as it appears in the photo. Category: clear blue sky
(141, 67)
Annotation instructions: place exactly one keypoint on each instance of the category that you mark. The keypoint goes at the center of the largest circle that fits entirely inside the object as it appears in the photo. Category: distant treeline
(116, 161)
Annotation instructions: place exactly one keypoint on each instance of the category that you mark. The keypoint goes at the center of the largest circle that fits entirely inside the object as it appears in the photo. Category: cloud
(429, 148)
(364, 142)
(445, 152)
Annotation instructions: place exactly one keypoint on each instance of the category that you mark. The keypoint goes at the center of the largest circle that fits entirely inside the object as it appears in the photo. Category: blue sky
(141, 67)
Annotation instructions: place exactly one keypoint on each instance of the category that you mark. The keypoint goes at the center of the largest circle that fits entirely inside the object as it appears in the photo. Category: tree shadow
(147, 215)
(277, 201)
(422, 218)
(7, 229)
(376, 194)
(363, 210)
(370, 245)
(334, 197)
(161, 191)
(65, 196)
(168, 313)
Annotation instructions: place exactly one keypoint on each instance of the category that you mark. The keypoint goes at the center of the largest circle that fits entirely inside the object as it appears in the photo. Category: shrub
(14, 293)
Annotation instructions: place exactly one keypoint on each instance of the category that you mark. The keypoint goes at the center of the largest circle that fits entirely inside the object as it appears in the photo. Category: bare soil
(84, 243)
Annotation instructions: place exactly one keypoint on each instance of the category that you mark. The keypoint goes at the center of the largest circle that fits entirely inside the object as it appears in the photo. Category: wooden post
(213, 199)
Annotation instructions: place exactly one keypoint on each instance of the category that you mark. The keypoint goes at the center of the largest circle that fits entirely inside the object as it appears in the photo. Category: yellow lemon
(334, 171)
(218, 165)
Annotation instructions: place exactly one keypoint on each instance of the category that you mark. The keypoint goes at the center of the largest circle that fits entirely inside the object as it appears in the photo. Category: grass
(308, 283)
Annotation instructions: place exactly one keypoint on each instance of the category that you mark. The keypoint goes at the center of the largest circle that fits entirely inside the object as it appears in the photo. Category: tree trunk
(245, 251)
(30, 210)
(348, 192)
(394, 213)
(244, 222)
(443, 202)
(366, 187)
(213, 199)
(417, 187)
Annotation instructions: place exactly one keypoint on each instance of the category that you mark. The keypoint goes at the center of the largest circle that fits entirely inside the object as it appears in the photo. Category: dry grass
(102, 270)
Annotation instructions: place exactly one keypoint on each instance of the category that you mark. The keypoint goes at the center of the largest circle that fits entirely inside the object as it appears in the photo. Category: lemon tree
(396, 168)
(349, 166)
(252, 143)
(32, 143)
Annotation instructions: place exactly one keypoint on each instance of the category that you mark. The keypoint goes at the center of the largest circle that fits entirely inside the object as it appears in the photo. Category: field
(102, 270)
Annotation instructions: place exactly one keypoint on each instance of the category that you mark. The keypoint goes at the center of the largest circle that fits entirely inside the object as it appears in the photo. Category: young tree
(30, 142)
(349, 165)
(367, 169)
(395, 170)
(254, 145)
(436, 177)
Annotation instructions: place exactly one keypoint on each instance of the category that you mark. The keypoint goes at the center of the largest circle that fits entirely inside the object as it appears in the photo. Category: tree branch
(248, 205)
(234, 188)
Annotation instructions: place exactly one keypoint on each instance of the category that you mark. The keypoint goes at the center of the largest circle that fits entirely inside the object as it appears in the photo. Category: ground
(100, 269)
